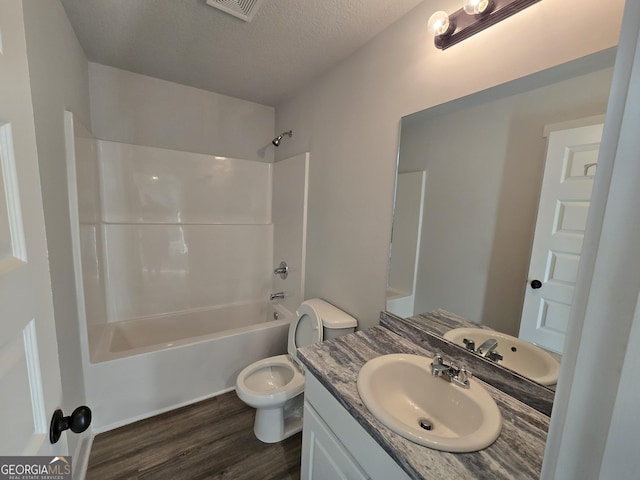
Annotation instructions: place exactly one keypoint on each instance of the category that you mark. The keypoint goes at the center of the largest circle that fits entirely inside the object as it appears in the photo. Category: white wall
(289, 212)
(483, 188)
(179, 230)
(405, 242)
(349, 120)
(131, 108)
(156, 185)
(164, 231)
(83, 168)
(59, 81)
(406, 230)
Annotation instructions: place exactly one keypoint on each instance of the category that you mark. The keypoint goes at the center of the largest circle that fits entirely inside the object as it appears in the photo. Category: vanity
(343, 439)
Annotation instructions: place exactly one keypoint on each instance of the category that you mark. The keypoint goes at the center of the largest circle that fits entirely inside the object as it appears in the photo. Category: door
(569, 171)
(30, 387)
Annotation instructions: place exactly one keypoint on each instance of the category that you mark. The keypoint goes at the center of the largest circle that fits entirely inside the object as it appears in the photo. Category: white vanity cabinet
(335, 446)
(324, 457)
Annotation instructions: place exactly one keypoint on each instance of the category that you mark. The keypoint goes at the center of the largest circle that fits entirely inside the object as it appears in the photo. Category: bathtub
(146, 366)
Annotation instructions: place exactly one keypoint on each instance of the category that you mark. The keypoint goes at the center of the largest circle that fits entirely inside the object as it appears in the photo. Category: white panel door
(562, 215)
(29, 371)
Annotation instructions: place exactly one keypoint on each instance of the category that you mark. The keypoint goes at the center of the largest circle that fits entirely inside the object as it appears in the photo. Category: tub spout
(279, 296)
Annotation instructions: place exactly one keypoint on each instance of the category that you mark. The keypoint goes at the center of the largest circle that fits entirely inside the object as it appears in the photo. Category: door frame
(602, 317)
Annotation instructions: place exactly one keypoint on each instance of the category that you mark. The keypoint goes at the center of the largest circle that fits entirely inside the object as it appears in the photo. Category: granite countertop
(516, 454)
(440, 322)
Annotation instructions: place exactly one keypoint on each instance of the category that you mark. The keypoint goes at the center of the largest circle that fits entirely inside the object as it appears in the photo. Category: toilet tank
(329, 333)
(335, 322)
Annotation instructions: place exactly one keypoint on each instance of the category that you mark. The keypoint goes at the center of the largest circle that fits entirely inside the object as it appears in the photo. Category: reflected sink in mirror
(518, 355)
(400, 391)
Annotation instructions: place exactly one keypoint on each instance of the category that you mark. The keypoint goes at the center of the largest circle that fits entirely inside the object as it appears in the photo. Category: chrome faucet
(487, 347)
(279, 296)
(449, 371)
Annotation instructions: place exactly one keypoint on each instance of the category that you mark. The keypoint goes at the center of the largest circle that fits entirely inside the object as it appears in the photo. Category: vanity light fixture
(473, 17)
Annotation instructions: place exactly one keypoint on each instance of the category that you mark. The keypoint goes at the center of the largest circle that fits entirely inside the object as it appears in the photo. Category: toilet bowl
(274, 385)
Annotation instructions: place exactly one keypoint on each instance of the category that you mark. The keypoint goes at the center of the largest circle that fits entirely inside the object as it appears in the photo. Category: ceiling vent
(243, 9)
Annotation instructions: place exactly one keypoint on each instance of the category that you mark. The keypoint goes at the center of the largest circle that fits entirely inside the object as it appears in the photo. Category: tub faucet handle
(282, 270)
(278, 296)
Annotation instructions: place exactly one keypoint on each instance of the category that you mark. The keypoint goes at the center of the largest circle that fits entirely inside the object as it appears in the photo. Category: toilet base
(273, 425)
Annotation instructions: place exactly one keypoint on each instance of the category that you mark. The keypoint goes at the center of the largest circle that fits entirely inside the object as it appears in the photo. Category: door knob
(535, 284)
(78, 422)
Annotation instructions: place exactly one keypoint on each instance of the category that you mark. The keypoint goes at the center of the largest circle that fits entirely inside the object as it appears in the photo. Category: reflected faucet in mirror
(488, 350)
(514, 353)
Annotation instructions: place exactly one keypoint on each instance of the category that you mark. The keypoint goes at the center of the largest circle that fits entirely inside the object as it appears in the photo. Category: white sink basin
(518, 355)
(401, 393)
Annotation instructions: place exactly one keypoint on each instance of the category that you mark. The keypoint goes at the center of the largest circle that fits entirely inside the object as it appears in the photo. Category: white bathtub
(148, 334)
(149, 365)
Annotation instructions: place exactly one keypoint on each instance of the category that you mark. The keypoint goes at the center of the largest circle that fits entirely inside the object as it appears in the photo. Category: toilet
(274, 386)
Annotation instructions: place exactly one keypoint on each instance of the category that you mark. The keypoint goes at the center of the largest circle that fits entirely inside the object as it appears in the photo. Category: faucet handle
(282, 270)
(462, 377)
(470, 344)
(438, 367)
(495, 356)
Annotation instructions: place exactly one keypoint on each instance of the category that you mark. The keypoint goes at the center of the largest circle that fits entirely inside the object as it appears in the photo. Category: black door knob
(78, 422)
(535, 284)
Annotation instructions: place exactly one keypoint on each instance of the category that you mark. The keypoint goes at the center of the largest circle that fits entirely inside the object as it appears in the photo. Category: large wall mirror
(470, 177)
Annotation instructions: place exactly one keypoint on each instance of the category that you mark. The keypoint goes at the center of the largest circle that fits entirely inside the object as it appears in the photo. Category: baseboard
(81, 456)
(113, 426)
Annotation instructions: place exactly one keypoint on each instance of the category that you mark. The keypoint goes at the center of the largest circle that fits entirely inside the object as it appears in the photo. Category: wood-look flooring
(212, 439)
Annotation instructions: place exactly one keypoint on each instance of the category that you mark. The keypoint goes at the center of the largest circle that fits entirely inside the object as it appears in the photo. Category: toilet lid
(305, 330)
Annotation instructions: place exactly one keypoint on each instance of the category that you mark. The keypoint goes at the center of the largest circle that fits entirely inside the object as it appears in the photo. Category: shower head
(276, 141)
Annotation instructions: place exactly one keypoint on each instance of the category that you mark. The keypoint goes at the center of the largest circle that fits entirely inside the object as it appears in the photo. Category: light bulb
(438, 23)
(475, 7)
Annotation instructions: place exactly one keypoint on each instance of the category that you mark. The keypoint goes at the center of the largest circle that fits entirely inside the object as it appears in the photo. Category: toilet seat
(305, 330)
(263, 397)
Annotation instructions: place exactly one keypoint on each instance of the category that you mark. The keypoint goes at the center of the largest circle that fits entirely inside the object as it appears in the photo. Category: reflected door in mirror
(562, 215)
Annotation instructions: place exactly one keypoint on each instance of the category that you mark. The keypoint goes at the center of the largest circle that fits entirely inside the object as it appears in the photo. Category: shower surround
(174, 257)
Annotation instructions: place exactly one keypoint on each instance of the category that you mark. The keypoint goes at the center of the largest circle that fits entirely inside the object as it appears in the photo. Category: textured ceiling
(185, 41)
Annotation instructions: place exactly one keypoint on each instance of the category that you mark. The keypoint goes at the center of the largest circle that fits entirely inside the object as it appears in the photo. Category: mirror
(469, 180)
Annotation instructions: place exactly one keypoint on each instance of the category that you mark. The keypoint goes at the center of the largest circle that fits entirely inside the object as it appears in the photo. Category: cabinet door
(323, 456)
